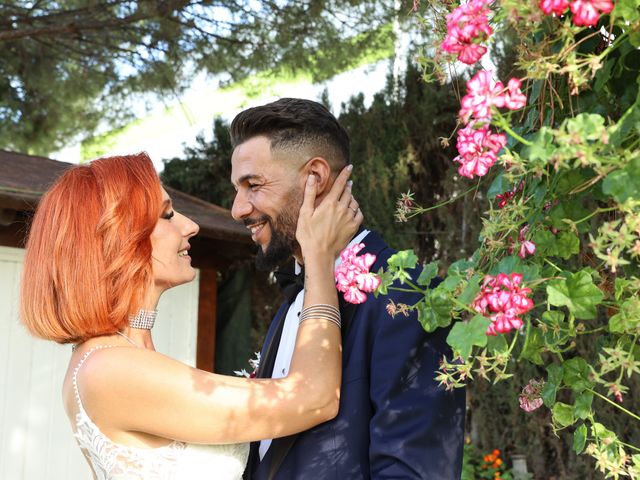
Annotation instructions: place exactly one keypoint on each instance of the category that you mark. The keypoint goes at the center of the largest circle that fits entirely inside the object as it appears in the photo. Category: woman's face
(170, 244)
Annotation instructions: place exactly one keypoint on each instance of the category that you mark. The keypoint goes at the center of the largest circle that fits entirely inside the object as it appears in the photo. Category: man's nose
(241, 208)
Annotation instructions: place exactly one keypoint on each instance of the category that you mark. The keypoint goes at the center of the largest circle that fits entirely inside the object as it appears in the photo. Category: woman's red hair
(88, 256)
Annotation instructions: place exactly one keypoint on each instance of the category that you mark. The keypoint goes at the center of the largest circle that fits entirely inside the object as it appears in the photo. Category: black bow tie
(290, 283)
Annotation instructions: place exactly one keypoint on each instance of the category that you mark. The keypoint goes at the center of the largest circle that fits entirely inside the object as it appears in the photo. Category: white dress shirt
(289, 332)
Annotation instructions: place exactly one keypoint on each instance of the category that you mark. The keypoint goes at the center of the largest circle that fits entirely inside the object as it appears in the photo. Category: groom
(394, 419)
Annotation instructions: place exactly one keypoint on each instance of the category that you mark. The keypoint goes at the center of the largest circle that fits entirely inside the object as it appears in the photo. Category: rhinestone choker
(144, 319)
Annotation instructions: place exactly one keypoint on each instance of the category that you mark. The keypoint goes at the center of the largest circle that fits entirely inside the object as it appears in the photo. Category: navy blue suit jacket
(394, 419)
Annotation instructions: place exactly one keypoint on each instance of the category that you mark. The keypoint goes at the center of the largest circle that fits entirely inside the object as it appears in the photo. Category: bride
(104, 244)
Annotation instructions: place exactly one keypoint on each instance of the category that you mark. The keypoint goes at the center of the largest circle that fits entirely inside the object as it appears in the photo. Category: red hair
(88, 255)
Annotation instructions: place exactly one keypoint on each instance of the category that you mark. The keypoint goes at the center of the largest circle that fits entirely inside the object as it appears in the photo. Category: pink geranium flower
(557, 7)
(352, 276)
(514, 99)
(467, 26)
(478, 149)
(587, 12)
(483, 92)
(502, 299)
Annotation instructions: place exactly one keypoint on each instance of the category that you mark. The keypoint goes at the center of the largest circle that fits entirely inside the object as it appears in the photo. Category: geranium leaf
(562, 414)
(554, 378)
(576, 374)
(577, 293)
(534, 346)
(582, 407)
(623, 184)
(579, 438)
(464, 335)
(434, 311)
(428, 273)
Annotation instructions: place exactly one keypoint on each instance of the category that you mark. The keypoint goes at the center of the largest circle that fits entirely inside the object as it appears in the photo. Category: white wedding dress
(176, 461)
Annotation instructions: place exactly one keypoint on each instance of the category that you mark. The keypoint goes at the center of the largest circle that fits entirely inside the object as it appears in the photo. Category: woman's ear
(319, 167)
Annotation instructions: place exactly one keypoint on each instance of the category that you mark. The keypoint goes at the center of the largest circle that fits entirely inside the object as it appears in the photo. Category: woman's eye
(168, 215)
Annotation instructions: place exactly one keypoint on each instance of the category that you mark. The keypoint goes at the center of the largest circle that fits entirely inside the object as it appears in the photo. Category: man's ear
(319, 167)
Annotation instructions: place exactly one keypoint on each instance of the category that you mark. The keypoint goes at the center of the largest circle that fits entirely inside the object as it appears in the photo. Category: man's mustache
(253, 221)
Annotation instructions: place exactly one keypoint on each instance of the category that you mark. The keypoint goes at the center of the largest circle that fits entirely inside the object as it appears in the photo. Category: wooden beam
(207, 309)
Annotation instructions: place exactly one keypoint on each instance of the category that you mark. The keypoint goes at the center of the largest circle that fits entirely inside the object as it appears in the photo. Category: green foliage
(67, 68)
(577, 293)
(568, 180)
(464, 335)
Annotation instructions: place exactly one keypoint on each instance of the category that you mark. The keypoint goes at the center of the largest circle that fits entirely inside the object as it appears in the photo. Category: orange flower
(496, 452)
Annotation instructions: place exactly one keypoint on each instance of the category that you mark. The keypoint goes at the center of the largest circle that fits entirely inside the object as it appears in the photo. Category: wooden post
(207, 308)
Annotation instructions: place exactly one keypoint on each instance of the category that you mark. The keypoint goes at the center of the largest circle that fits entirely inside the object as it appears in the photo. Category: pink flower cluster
(483, 93)
(530, 398)
(478, 149)
(502, 299)
(585, 12)
(353, 278)
(468, 25)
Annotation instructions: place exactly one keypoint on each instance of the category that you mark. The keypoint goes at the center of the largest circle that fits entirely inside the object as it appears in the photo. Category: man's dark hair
(294, 124)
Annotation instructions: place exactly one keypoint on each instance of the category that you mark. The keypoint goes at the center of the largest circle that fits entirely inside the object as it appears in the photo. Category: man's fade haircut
(295, 124)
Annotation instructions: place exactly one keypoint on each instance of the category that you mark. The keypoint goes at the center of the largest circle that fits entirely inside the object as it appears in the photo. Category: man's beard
(283, 242)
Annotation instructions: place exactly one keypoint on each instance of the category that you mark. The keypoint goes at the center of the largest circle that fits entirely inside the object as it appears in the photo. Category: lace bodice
(176, 461)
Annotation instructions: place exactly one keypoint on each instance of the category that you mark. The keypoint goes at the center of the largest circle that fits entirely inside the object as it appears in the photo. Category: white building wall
(35, 436)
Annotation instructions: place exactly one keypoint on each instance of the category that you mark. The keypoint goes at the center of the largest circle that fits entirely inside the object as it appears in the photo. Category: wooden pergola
(220, 242)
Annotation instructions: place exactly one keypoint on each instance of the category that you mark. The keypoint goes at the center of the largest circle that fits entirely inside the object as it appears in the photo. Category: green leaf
(496, 344)
(499, 185)
(628, 10)
(563, 245)
(554, 378)
(576, 374)
(577, 293)
(545, 243)
(542, 148)
(579, 438)
(386, 280)
(434, 311)
(464, 335)
(534, 346)
(401, 261)
(627, 320)
(450, 284)
(471, 290)
(623, 184)
(562, 414)
(428, 273)
(571, 209)
(460, 267)
(582, 407)
(567, 245)
(601, 433)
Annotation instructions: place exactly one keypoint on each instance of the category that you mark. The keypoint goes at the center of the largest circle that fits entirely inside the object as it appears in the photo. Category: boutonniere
(353, 277)
(254, 363)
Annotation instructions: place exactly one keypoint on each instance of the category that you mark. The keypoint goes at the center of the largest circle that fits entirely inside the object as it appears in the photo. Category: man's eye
(253, 186)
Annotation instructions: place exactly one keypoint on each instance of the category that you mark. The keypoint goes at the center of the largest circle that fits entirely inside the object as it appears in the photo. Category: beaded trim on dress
(176, 461)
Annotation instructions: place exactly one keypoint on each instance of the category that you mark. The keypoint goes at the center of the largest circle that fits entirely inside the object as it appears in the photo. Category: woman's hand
(328, 228)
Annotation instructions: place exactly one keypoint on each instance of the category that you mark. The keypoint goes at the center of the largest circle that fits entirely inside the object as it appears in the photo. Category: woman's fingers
(340, 184)
(309, 199)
